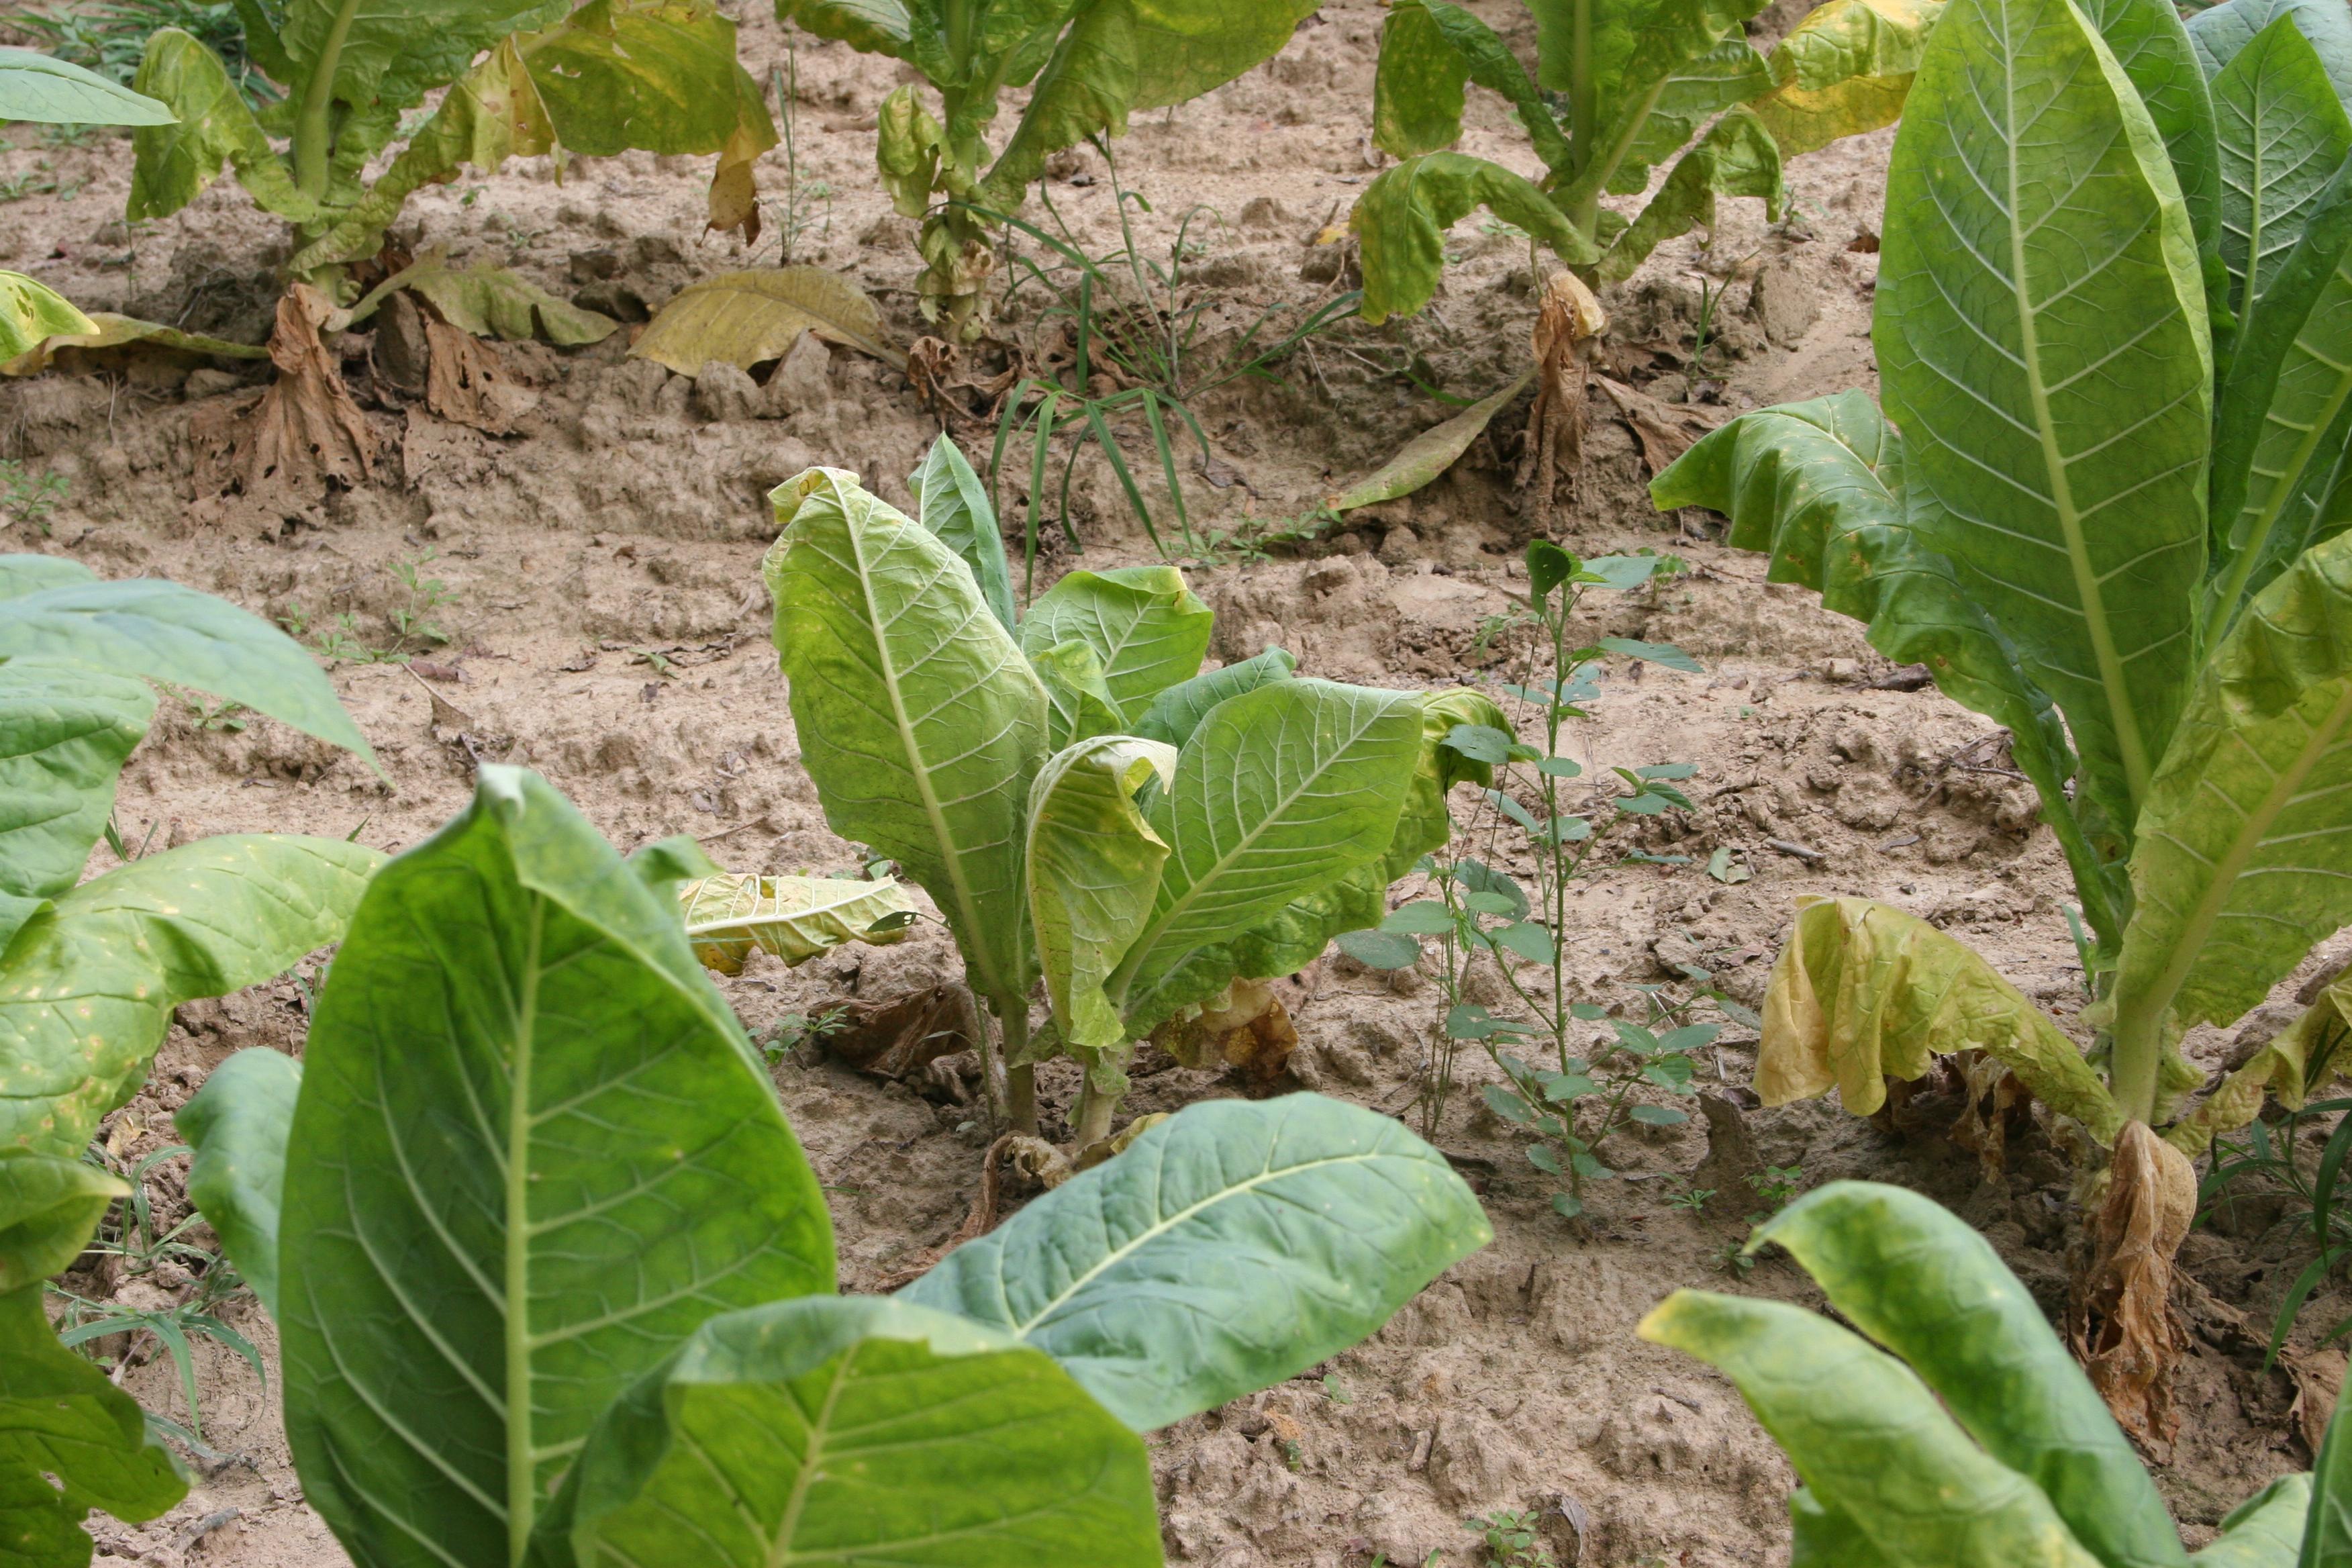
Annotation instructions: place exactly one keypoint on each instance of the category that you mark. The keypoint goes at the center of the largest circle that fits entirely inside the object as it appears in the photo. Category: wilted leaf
(1736, 157)
(172, 161)
(1403, 216)
(742, 317)
(1092, 870)
(103, 330)
(306, 431)
(488, 301)
(1427, 455)
(33, 315)
(1864, 992)
(2122, 1321)
(1247, 1028)
(896, 1036)
(793, 918)
(1844, 69)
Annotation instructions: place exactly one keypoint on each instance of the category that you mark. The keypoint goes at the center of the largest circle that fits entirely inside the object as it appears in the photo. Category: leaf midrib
(2124, 721)
(522, 1494)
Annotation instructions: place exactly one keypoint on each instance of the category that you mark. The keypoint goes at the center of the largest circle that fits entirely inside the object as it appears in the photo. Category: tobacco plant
(1644, 81)
(38, 87)
(89, 973)
(555, 1281)
(655, 75)
(2104, 511)
(1087, 64)
(1081, 801)
(1971, 1438)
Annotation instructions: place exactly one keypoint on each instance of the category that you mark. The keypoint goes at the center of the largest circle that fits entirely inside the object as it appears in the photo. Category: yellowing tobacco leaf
(794, 918)
(742, 317)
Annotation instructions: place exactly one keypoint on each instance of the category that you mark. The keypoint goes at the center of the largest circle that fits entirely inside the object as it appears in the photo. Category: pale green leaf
(1187, 47)
(490, 302)
(65, 732)
(1818, 487)
(1694, 92)
(1923, 1284)
(1177, 711)
(858, 1430)
(2153, 47)
(49, 1208)
(171, 162)
(160, 630)
(1093, 866)
(951, 501)
(655, 76)
(61, 1415)
(919, 718)
(1084, 90)
(1844, 69)
(1492, 65)
(387, 56)
(1426, 455)
(1231, 1246)
(46, 90)
(1868, 1438)
(91, 981)
(1149, 629)
(31, 312)
(2264, 1532)
(2041, 342)
(1862, 991)
(239, 1123)
(1079, 705)
(105, 330)
(2283, 135)
(790, 918)
(1403, 216)
(2219, 33)
(870, 26)
(533, 1152)
(1417, 85)
(1279, 793)
(2243, 862)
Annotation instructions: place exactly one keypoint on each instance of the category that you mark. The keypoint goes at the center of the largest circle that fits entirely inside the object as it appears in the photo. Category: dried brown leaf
(2121, 1321)
(304, 434)
(900, 1034)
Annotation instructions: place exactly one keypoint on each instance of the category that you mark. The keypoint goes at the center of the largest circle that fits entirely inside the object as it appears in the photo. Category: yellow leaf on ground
(742, 317)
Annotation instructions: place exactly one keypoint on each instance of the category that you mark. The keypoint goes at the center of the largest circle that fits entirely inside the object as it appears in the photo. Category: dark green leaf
(239, 1122)
(48, 1209)
(1379, 949)
(1481, 742)
(1549, 566)
(1417, 86)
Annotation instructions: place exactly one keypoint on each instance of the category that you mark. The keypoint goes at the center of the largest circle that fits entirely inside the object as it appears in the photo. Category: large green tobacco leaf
(65, 732)
(1919, 1282)
(31, 312)
(1280, 793)
(2283, 136)
(533, 1152)
(93, 979)
(239, 1123)
(1862, 991)
(790, 918)
(171, 162)
(44, 89)
(1094, 866)
(2218, 34)
(2042, 341)
(2279, 440)
(1296, 935)
(49, 1208)
(161, 631)
(951, 500)
(1822, 1537)
(1697, 89)
(1868, 1438)
(2244, 858)
(1177, 711)
(1818, 487)
(2157, 58)
(1736, 157)
(1084, 89)
(1146, 627)
(2264, 1532)
(1844, 69)
(1230, 1246)
(858, 1430)
(1403, 216)
(918, 718)
(1418, 85)
(59, 1416)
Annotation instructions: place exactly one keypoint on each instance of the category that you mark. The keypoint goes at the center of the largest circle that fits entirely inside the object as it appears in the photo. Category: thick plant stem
(1021, 1080)
(314, 120)
(1091, 1123)
(2135, 1054)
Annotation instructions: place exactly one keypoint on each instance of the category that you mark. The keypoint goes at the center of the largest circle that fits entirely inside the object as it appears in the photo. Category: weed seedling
(790, 1034)
(1510, 1539)
(27, 499)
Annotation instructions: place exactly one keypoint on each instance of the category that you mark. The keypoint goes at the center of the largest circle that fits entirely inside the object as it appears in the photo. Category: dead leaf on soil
(2122, 1323)
(1427, 455)
(1665, 430)
(898, 1035)
(742, 317)
(734, 193)
(1994, 1101)
(468, 383)
(485, 302)
(1568, 317)
(127, 334)
(303, 434)
(2318, 1379)
(1252, 1031)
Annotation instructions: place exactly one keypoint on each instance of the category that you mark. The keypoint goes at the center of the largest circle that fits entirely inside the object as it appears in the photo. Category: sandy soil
(607, 626)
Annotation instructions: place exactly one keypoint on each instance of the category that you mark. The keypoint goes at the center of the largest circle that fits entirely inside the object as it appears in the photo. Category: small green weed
(27, 499)
(789, 1035)
(1510, 1539)
(413, 628)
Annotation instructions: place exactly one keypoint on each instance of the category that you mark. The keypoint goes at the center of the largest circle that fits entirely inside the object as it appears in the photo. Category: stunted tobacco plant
(1971, 1438)
(1081, 801)
(1087, 65)
(89, 973)
(1644, 81)
(2104, 508)
(659, 76)
(555, 1282)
